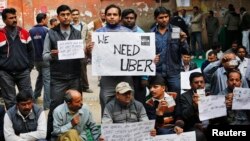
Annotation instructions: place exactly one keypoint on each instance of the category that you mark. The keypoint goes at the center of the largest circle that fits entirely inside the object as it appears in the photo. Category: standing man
(72, 119)
(82, 26)
(108, 83)
(99, 22)
(38, 34)
(170, 48)
(25, 121)
(64, 74)
(245, 27)
(16, 58)
(212, 26)
(140, 82)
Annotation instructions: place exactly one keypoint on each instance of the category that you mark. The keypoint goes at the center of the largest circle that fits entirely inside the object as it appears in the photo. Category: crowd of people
(122, 98)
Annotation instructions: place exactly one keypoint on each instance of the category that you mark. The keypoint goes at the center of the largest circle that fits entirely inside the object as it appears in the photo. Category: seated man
(189, 106)
(187, 63)
(234, 117)
(72, 119)
(162, 108)
(117, 110)
(25, 121)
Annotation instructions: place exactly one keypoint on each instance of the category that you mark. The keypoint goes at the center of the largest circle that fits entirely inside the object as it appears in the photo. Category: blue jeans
(165, 131)
(43, 79)
(196, 37)
(8, 80)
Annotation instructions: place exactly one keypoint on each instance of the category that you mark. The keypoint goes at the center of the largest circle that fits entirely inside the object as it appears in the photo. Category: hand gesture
(195, 99)
(54, 52)
(75, 120)
(161, 107)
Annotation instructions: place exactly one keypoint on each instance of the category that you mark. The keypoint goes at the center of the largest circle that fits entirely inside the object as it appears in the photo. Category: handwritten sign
(241, 99)
(137, 131)
(183, 3)
(70, 49)
(185, 84)
(123, 53)
(186, 136)
(211, 107)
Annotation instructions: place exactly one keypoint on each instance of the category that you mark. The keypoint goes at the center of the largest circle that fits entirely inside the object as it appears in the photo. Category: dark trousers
(58, 87)
(2, 112)
(84, 76)
(139, 90)
(8, 80)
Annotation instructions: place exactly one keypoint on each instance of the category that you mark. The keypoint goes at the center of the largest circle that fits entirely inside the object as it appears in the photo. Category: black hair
(161, 10)
(62, 8)
(215, 45)
(126, 12)
(239, 47)
(212, 53)
(24, 95)
(242, 9)
(196, 7)
(211, 12)
(52, 20)
(233, 71)
(40, 17)
(113, 6)
(73, 10)
(194, 75)
(8, 11)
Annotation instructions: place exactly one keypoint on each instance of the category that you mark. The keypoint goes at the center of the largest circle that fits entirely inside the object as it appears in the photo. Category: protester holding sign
(234, 117)
(162, 108)
(189, 105)
(65, 74)
(123, 108)
(108, 83)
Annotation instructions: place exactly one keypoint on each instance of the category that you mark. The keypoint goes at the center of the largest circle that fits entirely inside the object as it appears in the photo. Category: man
(196, 28)
(82, 26)
(189, 105)
(140, 82)
(234, 47)
(211, 57)
(243, 61)
(216, 73)
(65, 74)
(176, 20)
(38, 34)
(162, 108)
(216, 47)
(129, 19)
(187, 63)
(234, 117)
(170, 48)
(53, 22)
(108, 83)
(212, 26)
(17, 55)
(98, 23)
(187, 19)
(72, 119)
(245, 27)
(25, 121)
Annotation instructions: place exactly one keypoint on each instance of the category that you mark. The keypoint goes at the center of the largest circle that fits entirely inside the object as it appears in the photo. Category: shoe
(200, 57)
(88, 90)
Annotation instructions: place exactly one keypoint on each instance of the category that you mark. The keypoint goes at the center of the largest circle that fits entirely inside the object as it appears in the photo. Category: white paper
(211, 107)
(241, 99)
(185, 136)
(176, 30)
(183, 3)
(138, 131)
(70, 49)
(123, 54)
(170, 101)
(175, 35)
(185, 84)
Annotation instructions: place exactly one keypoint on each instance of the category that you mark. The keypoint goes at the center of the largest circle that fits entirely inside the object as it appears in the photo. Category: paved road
(92, 99)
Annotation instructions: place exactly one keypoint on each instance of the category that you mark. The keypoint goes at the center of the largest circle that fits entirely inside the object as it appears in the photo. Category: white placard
(211, 107)
(186, 136)
(138, 131)
(241, 99)
(123, 54)
(183, 3)
(185, 84)
(70, 49)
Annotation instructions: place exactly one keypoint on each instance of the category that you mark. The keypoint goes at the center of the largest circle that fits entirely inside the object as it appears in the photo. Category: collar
(165, 97)
(69, 112)
(31, 114)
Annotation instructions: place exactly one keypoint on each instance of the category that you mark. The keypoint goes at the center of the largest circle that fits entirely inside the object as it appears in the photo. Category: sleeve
(31, 53)
(210, 69)
(9, 133)
(41, 131)
(188, 111)
(46, 48)
(142, 113)
(106, 118)
(94, 129)
(58, 126)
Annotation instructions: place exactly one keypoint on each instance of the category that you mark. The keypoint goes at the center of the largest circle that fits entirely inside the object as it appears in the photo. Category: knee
(72, 132)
